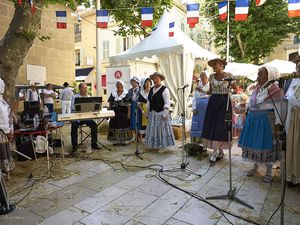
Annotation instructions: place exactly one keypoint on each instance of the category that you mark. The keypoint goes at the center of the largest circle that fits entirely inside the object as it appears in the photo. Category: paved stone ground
(95, 189)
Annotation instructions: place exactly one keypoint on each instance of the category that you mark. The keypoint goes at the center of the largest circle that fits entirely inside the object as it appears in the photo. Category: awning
(83, 72)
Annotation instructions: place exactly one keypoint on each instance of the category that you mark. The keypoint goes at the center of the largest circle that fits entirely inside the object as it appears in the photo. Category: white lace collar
(119, 98)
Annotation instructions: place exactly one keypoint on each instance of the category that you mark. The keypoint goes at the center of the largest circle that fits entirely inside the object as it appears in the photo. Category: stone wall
(56, 54)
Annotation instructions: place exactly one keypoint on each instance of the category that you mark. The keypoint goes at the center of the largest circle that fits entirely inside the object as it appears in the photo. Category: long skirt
(159, 132)
(293, 148)
(119, 131)
(134, 109)
(198, 118)
(215, 129)
(143, 121)
(257, 139)
(6, 161)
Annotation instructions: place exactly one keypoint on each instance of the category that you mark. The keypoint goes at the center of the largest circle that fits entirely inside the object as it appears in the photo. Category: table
(32, 133)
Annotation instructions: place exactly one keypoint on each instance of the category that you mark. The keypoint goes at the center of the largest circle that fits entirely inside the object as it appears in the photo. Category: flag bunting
(147, 16)
(223, 10)
(294, 8)
(102, 18)
(192, 13)
(61, 19)
(241, 10)
(171, 29)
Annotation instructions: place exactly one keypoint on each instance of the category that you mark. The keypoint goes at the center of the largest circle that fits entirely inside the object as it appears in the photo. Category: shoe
(220, 156)
(213, 157)
(96, 147)
(268, 179)
(251, 173)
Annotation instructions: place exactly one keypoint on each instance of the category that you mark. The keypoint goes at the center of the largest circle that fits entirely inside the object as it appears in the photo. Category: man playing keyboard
(75, 124)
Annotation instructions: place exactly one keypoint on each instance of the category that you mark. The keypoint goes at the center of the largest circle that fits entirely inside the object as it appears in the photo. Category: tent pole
(228, 32)
(98, 57)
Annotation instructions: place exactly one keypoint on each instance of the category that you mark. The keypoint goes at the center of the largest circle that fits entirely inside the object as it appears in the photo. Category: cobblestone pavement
(109, 187)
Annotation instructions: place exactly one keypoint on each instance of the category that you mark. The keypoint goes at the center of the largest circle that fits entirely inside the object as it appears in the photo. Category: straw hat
(162, 77)
(212, 62)
(244, 97)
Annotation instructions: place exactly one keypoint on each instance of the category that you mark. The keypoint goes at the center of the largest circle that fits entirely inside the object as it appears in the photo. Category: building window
(77, 31)
(296, 39)
(127, 43)
(105, 49)
(77, 58)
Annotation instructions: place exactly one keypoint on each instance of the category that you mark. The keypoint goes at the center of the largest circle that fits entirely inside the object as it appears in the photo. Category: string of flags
(241, 13)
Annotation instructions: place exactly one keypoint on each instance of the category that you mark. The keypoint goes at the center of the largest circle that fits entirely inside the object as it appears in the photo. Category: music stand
(88, 104)
(6, 207)
(231, 194)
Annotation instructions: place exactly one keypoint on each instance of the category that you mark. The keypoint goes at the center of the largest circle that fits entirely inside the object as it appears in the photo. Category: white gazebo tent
(176, 56)
(242, 70)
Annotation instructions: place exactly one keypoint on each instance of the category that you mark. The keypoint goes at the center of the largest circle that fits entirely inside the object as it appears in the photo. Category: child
(241, 109)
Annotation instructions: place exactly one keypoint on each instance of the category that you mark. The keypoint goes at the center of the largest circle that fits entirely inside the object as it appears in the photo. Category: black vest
(156, 100)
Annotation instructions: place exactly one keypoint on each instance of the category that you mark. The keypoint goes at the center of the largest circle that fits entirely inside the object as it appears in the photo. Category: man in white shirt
(32, 94)
(48, 97)
(90, 123)
(66, 96)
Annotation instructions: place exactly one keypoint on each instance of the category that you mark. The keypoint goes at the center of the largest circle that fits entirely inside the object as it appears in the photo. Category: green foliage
(128, 14)
(265, 29)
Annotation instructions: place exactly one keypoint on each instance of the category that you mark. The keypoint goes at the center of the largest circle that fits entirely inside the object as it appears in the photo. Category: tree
(128, 16)
(254, 39)
(25, 25)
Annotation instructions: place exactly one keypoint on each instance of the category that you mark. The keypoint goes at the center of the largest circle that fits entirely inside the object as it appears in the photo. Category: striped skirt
(257, 139)
(6, 161)
(159, 132)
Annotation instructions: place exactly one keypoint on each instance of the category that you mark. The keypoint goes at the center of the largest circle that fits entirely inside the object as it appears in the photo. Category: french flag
(171, 29)
(192, 13)
(241, 10)
(147, 16)
(102, 18)
(260, 2)
(61, 19)
(294, 8)
(33, 10)
(223, 10)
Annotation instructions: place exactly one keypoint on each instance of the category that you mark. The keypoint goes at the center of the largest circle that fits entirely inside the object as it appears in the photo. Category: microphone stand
(6, 207)
(231, 194)
(137, 151)
(184, 162)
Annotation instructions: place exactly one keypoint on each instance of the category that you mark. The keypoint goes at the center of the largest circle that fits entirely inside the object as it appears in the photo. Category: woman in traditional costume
(142, 106)
(215, 128)
(119, 127)
(6, 134)
(159, 132)
(258, 137)
(199, 105)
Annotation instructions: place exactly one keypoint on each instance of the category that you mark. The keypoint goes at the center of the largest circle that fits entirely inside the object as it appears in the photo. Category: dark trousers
(49, 106)
(74, 131)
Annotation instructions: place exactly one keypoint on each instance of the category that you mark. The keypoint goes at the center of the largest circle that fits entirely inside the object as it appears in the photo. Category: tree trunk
(16, 42)
(242, 47)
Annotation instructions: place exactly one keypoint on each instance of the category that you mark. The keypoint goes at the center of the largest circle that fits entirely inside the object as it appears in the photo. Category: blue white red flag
(61, 19)
(33, 10)
(260, 2)
(171, 29)
(102, 18)
(147, 16)
(241, 10)
(294, 8)
(223, 10)
(192, 13)
(20, 2)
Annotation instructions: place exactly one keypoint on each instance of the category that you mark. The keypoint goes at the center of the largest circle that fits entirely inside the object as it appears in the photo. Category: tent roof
(284, 67)
(159, 43)
(243, 69)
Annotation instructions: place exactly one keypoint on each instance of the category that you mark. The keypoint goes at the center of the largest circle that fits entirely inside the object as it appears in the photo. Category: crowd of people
(256, 118)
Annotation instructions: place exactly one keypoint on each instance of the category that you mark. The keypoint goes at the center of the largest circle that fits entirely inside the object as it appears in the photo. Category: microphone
(183, 87)
(290, 76)
(229, 79)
